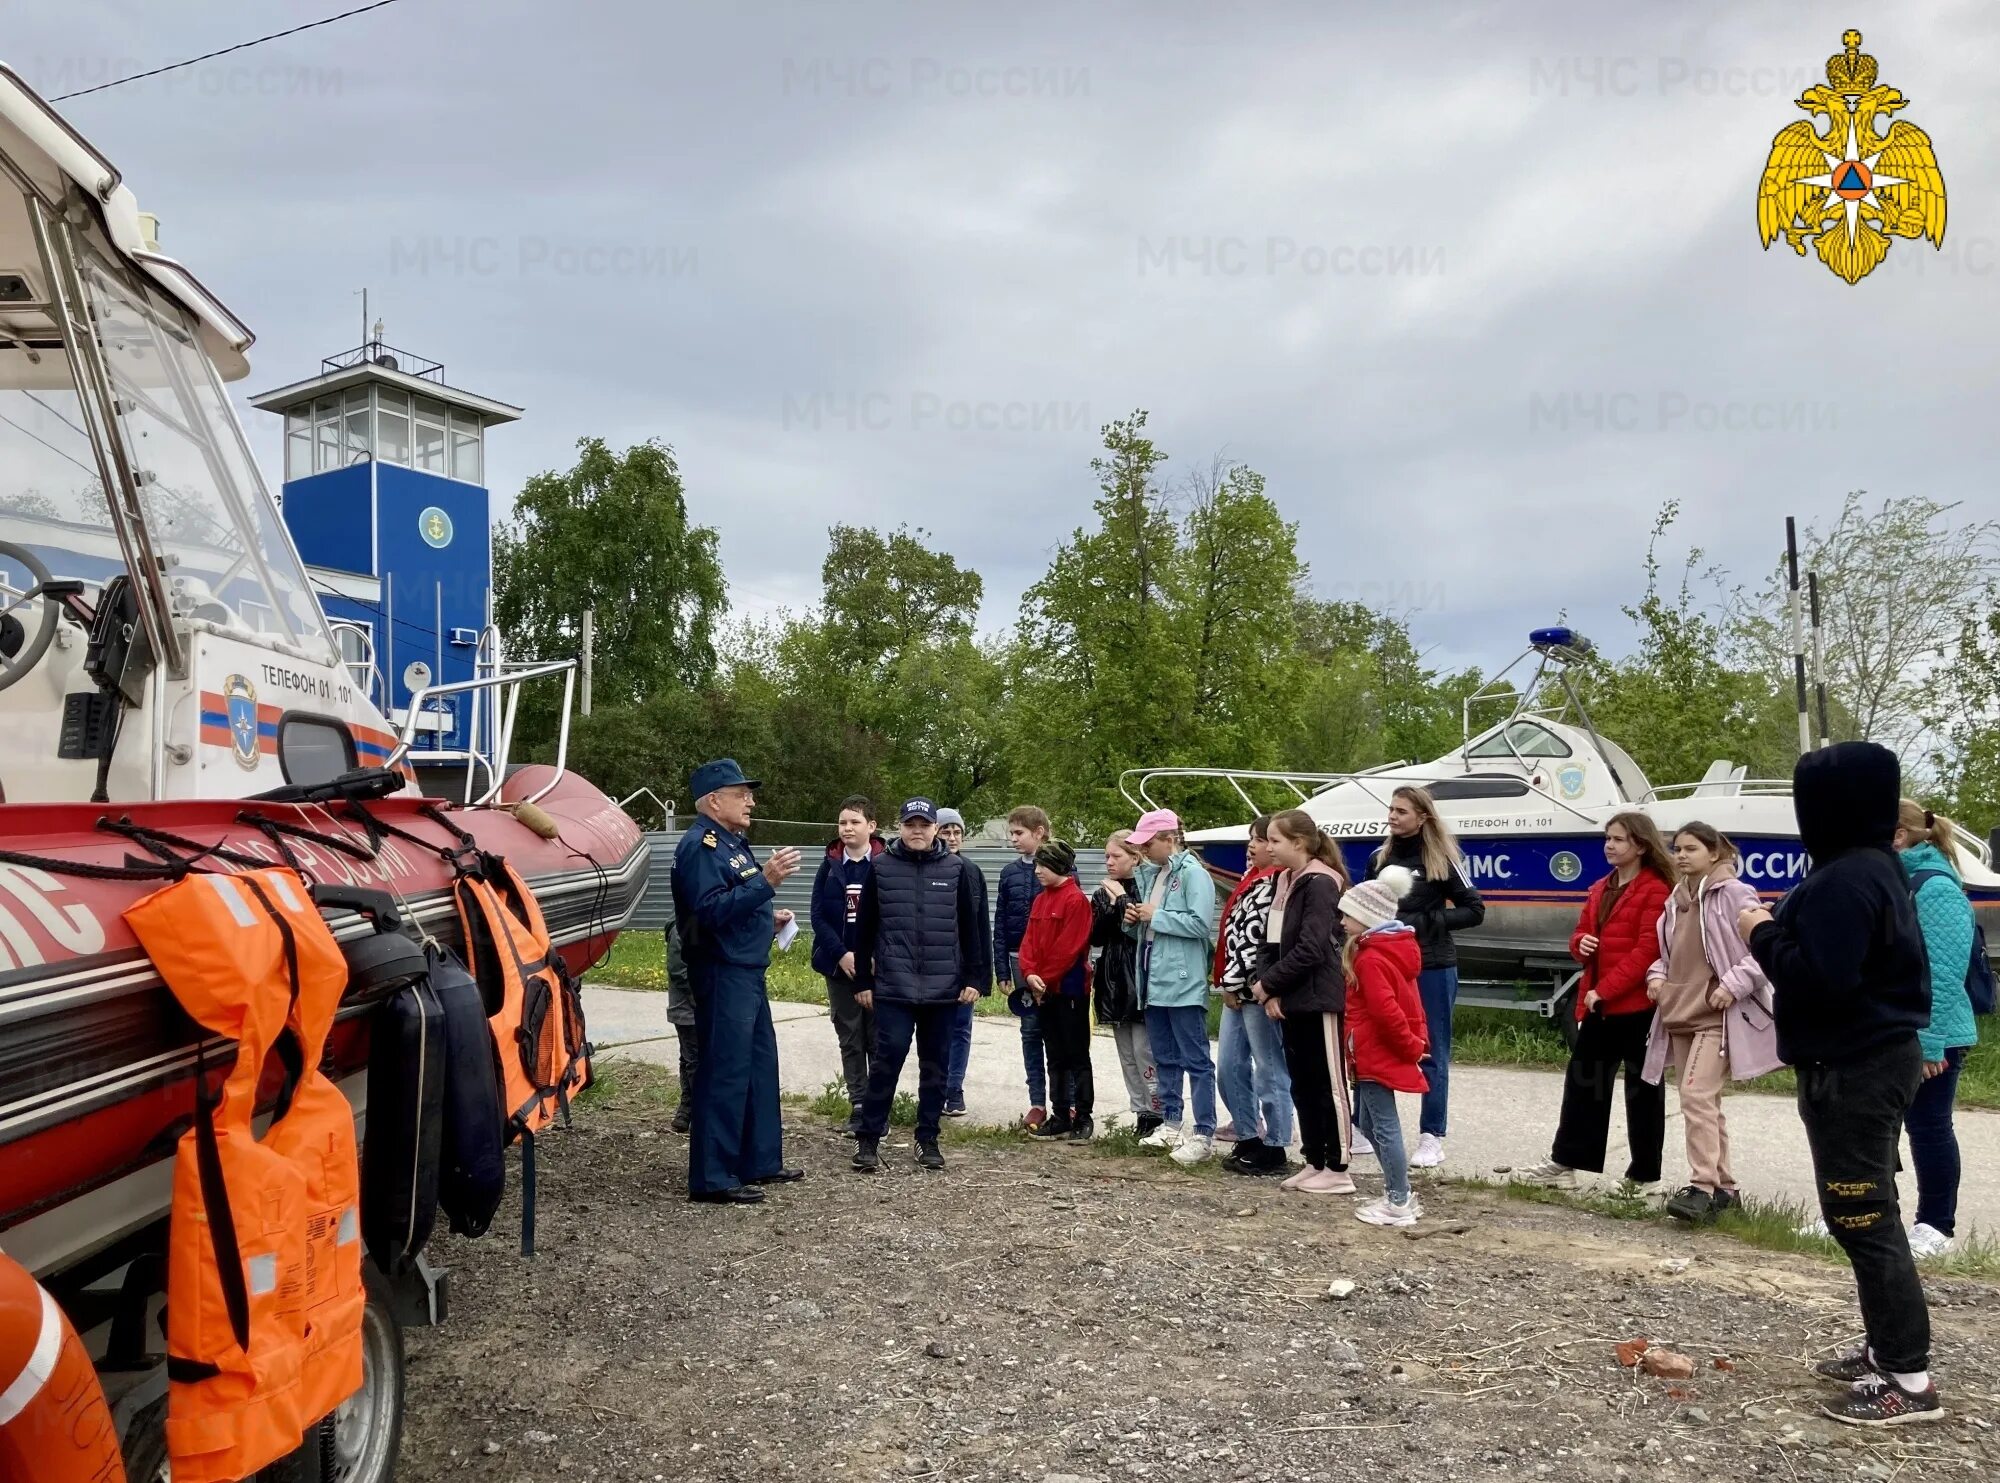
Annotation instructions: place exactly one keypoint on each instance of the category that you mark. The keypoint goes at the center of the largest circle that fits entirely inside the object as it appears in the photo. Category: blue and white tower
(385, 496)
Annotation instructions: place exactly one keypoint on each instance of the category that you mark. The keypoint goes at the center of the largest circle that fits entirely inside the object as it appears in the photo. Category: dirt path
(1053, 1314)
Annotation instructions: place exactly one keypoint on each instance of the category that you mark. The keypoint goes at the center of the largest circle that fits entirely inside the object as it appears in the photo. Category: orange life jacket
(263, 1306)
(532, 1006)
(54, 1425)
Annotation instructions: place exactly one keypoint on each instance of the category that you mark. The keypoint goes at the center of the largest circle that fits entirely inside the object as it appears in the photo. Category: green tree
(1155, 640)
(1964, 722)
(1896, 583)
(1675, 702)
(613, 534)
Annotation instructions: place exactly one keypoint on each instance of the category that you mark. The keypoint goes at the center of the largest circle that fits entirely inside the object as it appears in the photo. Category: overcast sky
(1476, 286)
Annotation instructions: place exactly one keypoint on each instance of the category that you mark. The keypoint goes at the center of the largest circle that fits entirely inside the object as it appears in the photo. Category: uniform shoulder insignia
(708, 841)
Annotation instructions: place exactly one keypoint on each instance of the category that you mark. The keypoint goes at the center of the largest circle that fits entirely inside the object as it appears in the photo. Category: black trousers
(690, 1047)
(1065, 1022)
(1604, 1044)
(896, 1024)
(854, 1028)
(1853, 1112)
(1316, 1055)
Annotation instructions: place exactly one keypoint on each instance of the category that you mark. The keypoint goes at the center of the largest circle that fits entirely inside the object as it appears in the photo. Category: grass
(1769, 1225)
(1480, 1036)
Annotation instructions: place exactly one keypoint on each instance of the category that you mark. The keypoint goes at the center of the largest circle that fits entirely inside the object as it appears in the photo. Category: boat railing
(1720, 788)
(1303, 784)
(496, 682)
(664, 805)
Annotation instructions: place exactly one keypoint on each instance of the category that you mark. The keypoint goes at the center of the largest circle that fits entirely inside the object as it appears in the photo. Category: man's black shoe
(1149, 1123)
(852, 1128)
(783, 1176)
(1054, 1127)
(867, 1157)
(1725, 1199)
(1693, 1205)
(1083, 1131)
(929, 1156)
(683, 1118)
(743, 1194)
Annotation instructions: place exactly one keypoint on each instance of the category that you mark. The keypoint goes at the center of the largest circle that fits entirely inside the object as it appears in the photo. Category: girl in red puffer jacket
(1385, 1027)
(1616, 940)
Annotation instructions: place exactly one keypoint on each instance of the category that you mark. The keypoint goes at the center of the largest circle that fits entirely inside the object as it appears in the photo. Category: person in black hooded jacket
(1851, 988)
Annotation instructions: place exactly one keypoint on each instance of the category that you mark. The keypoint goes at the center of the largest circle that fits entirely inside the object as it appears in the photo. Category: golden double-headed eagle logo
(1849, 190)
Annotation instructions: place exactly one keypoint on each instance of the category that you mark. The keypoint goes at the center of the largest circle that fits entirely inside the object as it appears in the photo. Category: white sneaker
(1548, 1174)
(1388, 1212)
(1815, 1227)
(1193, 1149)
(1429, 1154)
(1927, 1241)
(1166, 1135)
(1362, 1148)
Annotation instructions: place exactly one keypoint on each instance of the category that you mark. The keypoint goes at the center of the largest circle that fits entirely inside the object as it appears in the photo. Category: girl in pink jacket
(1714, 1016)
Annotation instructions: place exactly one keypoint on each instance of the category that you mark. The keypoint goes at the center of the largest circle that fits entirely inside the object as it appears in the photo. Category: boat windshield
(1520, 738)
(229, 565)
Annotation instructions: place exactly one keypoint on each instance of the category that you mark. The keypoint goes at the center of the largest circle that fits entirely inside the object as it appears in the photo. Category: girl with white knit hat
(1386, 1031)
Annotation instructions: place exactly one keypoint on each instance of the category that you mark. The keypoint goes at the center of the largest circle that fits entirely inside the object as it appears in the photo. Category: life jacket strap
(215, 1199)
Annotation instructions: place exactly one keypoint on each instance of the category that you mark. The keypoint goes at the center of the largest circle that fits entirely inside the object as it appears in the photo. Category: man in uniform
(724, 916)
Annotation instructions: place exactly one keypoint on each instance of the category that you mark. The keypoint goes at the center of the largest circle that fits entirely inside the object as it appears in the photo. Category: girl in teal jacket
(1173, 918)
(1925, 845)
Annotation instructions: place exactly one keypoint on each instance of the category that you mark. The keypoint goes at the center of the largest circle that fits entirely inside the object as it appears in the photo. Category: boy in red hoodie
(1054, 963)
(1385, 1024)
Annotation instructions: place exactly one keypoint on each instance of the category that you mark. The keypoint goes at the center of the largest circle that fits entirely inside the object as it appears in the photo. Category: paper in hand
(787, 934)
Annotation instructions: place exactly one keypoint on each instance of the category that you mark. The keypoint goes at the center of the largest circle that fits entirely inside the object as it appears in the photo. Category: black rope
(154, 841)
(85, 870)
(276, 827)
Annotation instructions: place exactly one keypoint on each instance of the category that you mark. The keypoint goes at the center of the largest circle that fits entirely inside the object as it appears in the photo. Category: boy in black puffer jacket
(1851, 988)
(920, 951)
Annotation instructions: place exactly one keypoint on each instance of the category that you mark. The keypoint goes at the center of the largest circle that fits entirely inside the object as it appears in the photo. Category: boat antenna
(1818, 660)
(1798, 633)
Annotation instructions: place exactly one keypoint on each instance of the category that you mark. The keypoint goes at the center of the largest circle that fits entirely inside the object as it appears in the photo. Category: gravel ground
(1057, 1314)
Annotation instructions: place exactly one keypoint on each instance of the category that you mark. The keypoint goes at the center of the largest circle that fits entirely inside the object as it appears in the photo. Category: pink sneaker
(1227, 1134)
(1299, 1177)
(1327, 1182)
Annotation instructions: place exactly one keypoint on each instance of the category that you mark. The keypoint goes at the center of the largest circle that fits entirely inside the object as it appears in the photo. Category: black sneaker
(1058, 1126)
(929, 1156)
(852, 1127)
(955, 1107)
(683, 1118)
(1725, 1199)
(1877, 1400)
(1692, 1204)
(1149, 1124)
(867, 1155)
(1255, 1156)
(1846, 1367)
(1083, 1131)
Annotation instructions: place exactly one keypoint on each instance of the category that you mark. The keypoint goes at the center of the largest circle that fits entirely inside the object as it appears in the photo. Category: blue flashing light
(1561, 638)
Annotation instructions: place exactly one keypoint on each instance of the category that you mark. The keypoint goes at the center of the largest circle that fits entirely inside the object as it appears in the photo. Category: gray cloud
(1476, 286)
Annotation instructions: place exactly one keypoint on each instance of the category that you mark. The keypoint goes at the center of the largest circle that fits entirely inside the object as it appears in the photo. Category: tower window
(357, 448)
(428, 426)
(466, 452)
(298, 443)
(326, 445)
(392, 425)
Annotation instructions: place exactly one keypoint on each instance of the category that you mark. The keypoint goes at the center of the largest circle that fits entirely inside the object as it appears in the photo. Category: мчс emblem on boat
(1565, 866)
(239, 700)
(1851, 189)
(1570, 780)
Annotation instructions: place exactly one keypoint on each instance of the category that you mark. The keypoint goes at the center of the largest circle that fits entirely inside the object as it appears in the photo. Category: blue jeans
(896, 1024)
(1934, 1146)
(1256, 1087)
(1376, 1116)
(961, 1056)
(1180, 1048)
(1034, 1058)
(1438, 988)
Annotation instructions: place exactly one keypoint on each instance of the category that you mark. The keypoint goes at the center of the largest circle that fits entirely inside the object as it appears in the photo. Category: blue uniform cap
(722, 773)
(920, 808)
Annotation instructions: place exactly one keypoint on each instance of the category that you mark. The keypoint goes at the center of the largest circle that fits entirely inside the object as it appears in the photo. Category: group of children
(1322, 1024)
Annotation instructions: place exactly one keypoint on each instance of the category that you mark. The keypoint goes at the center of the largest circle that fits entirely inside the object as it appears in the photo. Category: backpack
(1979, 985)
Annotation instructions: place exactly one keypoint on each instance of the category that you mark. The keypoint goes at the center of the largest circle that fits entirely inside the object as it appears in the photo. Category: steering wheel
(16, 667)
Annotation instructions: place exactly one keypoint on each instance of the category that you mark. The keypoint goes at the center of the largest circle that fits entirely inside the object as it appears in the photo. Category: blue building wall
(435, 550)
(329, 518)
(427, 540)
